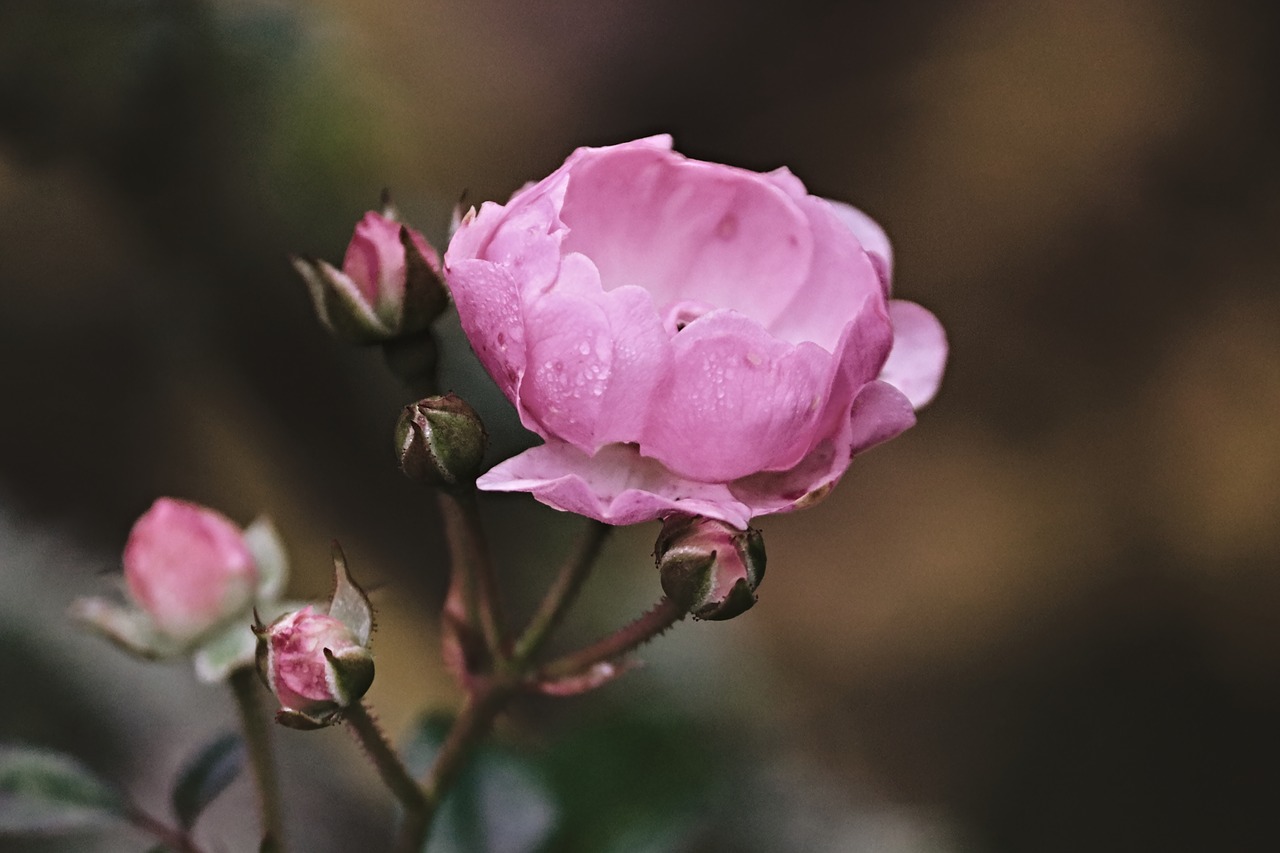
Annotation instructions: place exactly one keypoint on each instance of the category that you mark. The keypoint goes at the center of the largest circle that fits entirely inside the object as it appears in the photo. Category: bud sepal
(441, 441)
(708, 566)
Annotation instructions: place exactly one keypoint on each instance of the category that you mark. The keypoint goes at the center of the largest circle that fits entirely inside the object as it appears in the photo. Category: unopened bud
(441, 441)
(316, 666)
(189, 568)
(389, 285)
(709, 567)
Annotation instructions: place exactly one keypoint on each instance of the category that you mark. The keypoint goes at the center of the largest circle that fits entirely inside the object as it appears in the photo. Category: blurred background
(1042, 620)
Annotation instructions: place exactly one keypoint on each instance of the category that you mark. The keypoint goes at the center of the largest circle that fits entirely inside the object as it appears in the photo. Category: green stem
(413, 831)
(247, 690)
(562, 593)
(486, 700)
(662, 616)
(470, 559)
(176, 840)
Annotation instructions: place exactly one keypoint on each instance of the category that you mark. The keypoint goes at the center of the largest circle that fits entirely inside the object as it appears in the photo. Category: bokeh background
(1043, 620)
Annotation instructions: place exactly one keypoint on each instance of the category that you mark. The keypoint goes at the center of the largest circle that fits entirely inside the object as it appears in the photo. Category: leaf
(500, 803)
(206, 776)
(350, 605)
(264, 543)
(46, 791)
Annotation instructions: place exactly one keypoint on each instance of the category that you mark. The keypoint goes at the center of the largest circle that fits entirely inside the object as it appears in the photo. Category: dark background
(1043, 620)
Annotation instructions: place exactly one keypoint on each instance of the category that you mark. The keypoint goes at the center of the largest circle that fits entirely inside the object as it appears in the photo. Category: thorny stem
(472, 565)
(656, 621)
(245, 687)
(484, 702)
(413, 831)
(562, 593)
(173, 839)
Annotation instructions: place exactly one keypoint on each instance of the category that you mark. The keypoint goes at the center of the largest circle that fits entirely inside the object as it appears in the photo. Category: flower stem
(174, 839)
(562, 593)
(471, 561)
(484, 702)
(413, 831)
(245, 687)
(656, 621)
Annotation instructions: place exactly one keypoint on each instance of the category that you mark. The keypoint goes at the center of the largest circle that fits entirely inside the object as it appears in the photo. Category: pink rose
(316, 665)
(188, 568)
(687, 337)
(388, 286)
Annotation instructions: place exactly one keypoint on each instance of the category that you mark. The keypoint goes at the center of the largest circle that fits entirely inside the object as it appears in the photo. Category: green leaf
(206, 776)
(46, 791)
(499, 804)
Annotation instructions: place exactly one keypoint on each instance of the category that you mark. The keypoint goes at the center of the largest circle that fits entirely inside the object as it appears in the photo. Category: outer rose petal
(872, 237)
(842, 283)
(880, 412)
(616, 486)
(595, 361)
(736, 401)
(489, 307)
(919, 352)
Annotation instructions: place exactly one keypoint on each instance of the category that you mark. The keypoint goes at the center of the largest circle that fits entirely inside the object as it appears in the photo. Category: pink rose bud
(316, 666)
(441, 442)
(687, 337)
(389, 285)
(188, 568)
(708, 566)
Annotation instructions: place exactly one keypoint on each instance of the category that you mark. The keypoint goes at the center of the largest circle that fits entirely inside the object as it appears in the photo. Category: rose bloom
(188, 568)
(300, 674)
(375, 262)
(687, 337)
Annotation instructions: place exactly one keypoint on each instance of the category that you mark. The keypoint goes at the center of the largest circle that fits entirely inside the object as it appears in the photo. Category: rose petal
(842, 282)
(880, 412)
(808, 482)
(570, 352)
(872, 237)
(736, 401)
(489, 308)
(919, 352)
(683, 230)
(615, 486)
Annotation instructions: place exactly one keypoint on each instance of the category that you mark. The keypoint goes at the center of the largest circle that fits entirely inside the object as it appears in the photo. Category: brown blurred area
(1047, 614)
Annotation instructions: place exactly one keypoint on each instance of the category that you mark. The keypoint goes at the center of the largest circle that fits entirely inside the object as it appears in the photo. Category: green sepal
(349, 604)
(350, 675)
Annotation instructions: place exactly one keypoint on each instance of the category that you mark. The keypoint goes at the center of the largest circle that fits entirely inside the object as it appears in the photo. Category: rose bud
(189, 569)
(709, 567)
(389, 285)
(687, 337)
(316, 666)
(441, 441)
